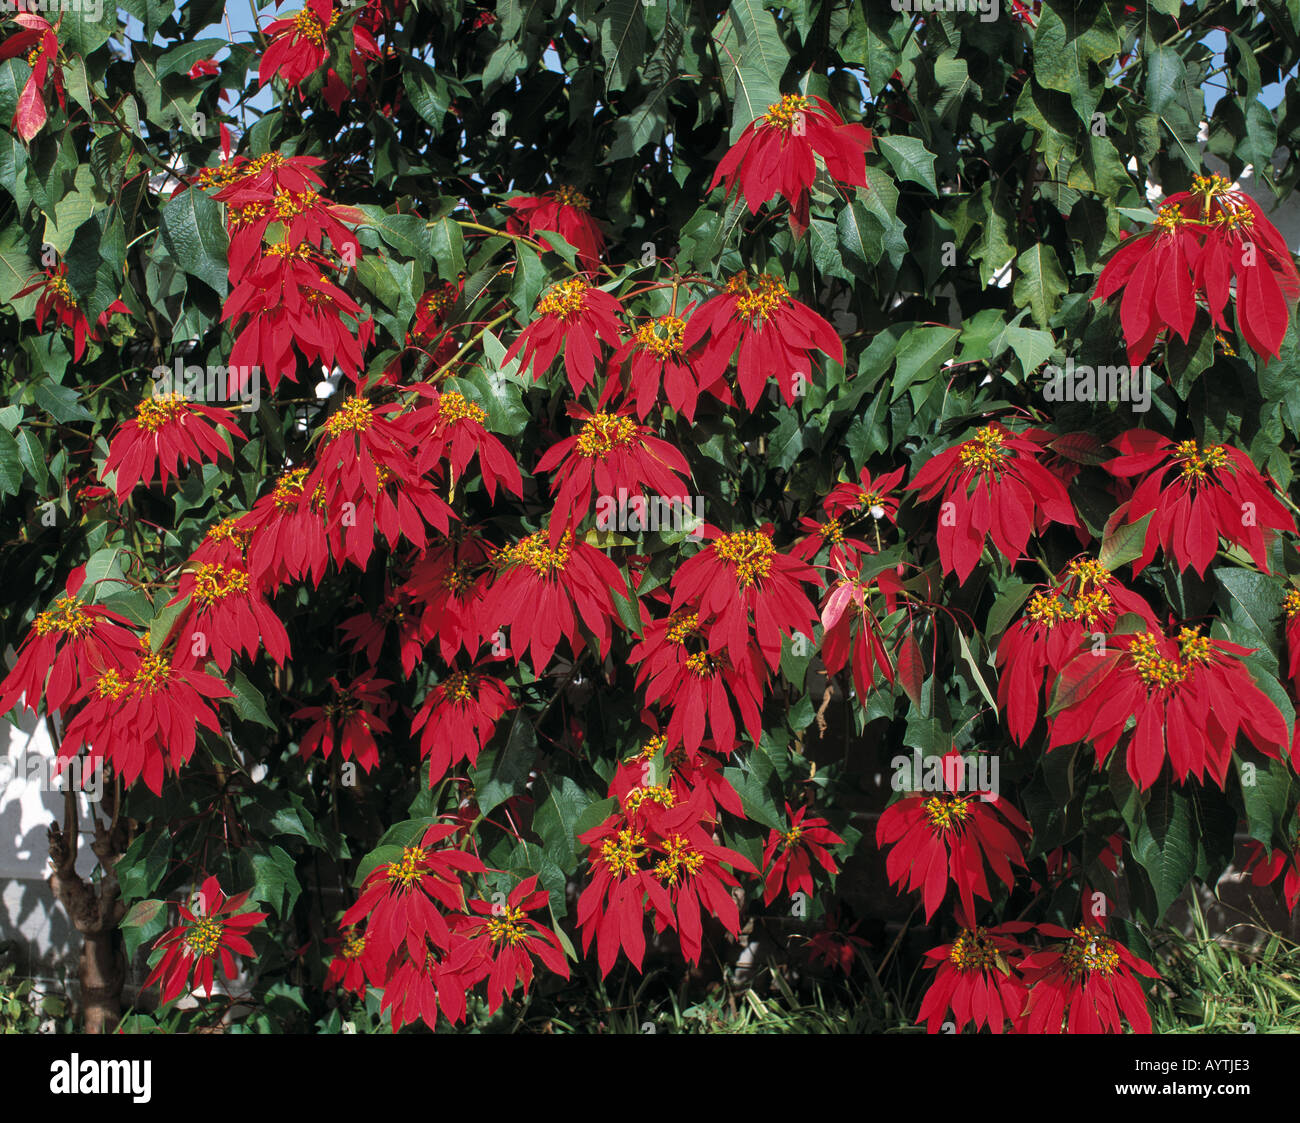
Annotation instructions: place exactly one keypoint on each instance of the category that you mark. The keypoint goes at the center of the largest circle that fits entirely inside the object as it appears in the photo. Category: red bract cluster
(572, 317)
(949, 837)
(1217, 492)
(993, 486)
(38, 43)
(656, 852)
(771, 333)
(167, 431)
(565, 211)
(281, 293)
(777, 155)
(56, 299)
(1203, 241)
(1059, 620)
(192, 948)
(1189, 695)
(1084, 984)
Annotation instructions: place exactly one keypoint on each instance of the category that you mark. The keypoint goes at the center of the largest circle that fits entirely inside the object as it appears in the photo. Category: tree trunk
(96, 915)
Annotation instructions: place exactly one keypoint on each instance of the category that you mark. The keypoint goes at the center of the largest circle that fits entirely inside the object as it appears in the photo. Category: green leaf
(275, 881)
(191, 228)
(921, 353)
(753, 60)
(84, 28)
(500, 775)
(248, 702)
(969, 660)
(910, 160)
(860, 237)
(556, 821)
(179, 59)
(622, 42)
(1124, 544)
(143, 921)
(408, 234)
(1039, 282)
(11, 465)
(447, 245)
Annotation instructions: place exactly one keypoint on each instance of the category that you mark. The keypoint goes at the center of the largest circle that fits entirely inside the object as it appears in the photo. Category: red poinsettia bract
(777, 155)
(775, 335)
(1085, 984)
(1189, 695)
(976, 979)
(165, 432)
(948, 837)
(993, 485)
(1217, 492)
(194, 945)
(789, 854)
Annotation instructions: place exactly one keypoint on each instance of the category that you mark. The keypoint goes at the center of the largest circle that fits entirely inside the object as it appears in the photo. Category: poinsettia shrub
(510, 497)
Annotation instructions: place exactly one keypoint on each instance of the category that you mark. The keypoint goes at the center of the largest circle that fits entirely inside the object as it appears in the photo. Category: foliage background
(989, 155)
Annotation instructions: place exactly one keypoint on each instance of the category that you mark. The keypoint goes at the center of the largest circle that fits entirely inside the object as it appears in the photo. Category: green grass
(1220, 986)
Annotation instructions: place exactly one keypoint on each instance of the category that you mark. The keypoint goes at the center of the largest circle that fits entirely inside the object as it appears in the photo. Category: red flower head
(420, 985)
(459, 432)
(458, 718)
(354, 966)
(975, 978)
(777, 155)
(349, 722)
(282, 190)
(657, 354)
(539, 594)
(869, 496)
(449, 582)
(775, 333)
(658, 851)
(679, 670)
(1217, 491)
(507, 940)
(574, 316)
(1190, 696)
(1202, 239)
(286, 535)
(567, 212)
(68, 647)
(165, 432)
(404, 898)
(287, 297)
(788, 855)
(836, 946)
(142, 717)
(365, 466)
(1085, 985)
(297, 46)
(852, 628)
(56, 299)
(39, 45)
(1291, 611)
(611, 910)
(432, 310)
(949, 837)
(1058, 619)
(204, 68)
(366, 633)
(742, 575)
(219, 928)
(614, 457)
(994, 485)
(227, 615)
